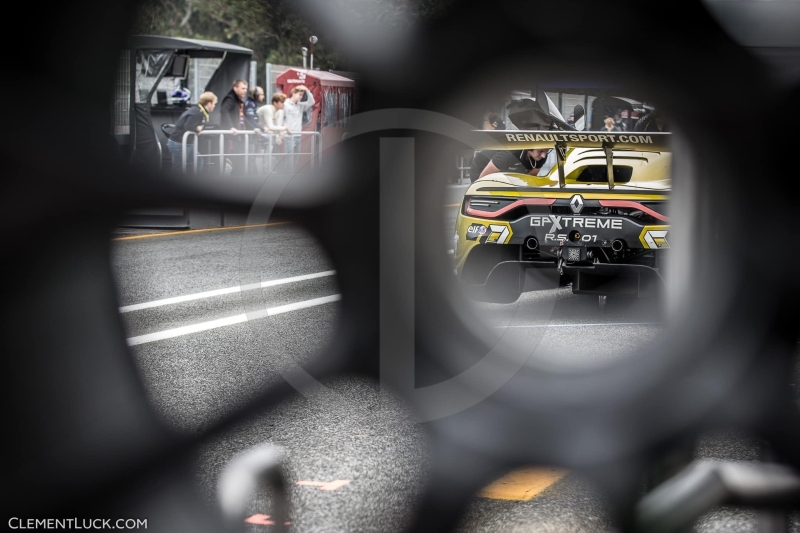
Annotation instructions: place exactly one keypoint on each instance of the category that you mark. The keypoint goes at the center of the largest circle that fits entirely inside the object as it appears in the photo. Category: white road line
(220, 292)
(450, 252)
(229, 321)
(585, 325)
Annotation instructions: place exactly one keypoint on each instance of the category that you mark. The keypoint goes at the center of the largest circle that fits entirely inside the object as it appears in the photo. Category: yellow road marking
(523, 484)
(452, 205)
(185, 232)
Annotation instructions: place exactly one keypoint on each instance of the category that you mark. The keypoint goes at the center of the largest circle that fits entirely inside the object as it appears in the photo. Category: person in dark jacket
(519, 161)
(233, 107)
(234, 117)
(255, 99)
(193, 119)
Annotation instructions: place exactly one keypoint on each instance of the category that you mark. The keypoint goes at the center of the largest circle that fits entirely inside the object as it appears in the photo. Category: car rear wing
(562, 140)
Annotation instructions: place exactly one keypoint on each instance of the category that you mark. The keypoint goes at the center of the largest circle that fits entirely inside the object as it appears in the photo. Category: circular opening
(564, 264)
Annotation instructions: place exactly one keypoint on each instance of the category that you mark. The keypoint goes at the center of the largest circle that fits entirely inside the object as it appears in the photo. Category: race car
(596, 221)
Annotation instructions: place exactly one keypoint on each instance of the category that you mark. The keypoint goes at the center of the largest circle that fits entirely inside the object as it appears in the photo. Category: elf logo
(494, 233)
(475, 231)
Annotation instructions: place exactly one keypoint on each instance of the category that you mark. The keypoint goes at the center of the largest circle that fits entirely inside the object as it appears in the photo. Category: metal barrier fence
(266, 157)
(464, 165)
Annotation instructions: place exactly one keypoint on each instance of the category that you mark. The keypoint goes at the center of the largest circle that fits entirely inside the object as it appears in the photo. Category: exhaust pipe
(618, 245)
(531, 243)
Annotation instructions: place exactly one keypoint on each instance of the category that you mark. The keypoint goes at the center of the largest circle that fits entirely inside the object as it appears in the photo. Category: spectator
(193, 119)
(254, 98)
(233, 107)
(571, 120)
(619, 122)
(234, 119)
(609, 125)
(298, 102)
(271, 116)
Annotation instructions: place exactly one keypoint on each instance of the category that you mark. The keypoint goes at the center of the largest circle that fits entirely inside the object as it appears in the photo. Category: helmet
(181, 95)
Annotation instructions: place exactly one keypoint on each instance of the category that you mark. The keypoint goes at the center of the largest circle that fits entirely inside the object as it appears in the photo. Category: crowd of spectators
(277, 124)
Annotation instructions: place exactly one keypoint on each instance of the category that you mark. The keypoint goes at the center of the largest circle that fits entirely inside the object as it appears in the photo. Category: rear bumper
(617, 279)
(508, 279)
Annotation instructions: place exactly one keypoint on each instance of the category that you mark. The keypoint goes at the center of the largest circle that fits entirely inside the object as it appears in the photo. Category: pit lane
(347, 431)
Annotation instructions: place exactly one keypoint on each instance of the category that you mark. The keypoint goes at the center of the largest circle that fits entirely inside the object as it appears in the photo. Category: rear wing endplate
(562, 140)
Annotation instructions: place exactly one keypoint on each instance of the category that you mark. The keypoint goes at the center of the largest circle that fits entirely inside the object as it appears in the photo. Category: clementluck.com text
(77, 523)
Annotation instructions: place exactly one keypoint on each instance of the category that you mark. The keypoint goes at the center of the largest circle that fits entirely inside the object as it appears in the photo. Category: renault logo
(576, 203)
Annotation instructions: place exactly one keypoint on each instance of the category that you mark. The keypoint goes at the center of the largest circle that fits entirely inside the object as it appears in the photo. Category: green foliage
(271, 28)
(274, 32)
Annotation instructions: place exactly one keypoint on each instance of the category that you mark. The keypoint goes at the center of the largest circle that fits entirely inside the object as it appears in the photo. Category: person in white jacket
(294, 107)
(271, 116)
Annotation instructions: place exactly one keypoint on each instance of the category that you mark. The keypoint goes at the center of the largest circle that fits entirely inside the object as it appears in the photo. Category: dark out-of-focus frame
(82, 438)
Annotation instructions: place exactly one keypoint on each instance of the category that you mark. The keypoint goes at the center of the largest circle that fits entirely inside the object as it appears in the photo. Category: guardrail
(463, 168)
(267, 142)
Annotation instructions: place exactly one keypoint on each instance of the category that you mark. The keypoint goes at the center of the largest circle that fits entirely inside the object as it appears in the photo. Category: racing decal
(516, 140)
(561, 237)
(566, 137)
(476, 231)
(654, 237)
(557, 222)
(492, 233)
(499, 234)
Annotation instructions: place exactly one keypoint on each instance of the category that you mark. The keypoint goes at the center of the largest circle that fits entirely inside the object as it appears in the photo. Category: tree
(273, 29)
(275, 32)
(164, 17)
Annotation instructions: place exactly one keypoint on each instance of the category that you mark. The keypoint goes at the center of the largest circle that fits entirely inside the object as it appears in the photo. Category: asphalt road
(199, 357)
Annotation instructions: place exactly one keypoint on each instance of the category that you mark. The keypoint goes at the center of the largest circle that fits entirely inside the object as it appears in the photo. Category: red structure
(334, 101)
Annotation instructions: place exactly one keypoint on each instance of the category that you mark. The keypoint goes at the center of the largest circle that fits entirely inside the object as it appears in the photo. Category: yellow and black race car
(596, 220)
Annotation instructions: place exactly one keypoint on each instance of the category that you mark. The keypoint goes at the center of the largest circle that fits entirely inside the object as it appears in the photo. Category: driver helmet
(181, 95)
